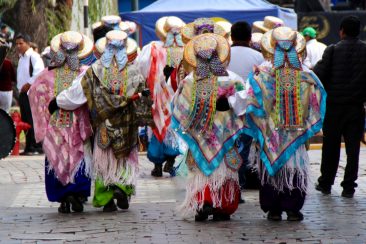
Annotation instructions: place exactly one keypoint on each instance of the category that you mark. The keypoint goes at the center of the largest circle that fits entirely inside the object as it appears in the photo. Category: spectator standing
(242, 60)
(7, 77)
(342, 71)
(29, 66)
(314, 49)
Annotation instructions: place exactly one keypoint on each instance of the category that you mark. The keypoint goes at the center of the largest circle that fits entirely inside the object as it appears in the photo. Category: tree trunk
(29, 17)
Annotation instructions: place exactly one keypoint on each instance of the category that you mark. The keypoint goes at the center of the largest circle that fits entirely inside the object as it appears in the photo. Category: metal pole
(86, 3)
(135, 7)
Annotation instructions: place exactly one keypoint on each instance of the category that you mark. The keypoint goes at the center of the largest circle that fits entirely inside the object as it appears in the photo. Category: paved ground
(27, 217)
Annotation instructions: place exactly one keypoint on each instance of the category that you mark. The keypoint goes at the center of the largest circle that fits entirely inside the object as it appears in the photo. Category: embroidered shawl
(62, 141)
(113, 113)
(279, 144)
(209, 149)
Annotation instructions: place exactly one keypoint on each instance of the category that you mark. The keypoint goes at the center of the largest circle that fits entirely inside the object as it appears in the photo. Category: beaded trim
(64, 78)
(203, 105)
(115, 80)
(289, 109)
(174, 56)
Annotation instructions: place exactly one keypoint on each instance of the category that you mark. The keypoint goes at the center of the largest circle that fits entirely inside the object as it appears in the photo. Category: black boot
(157, 171)
(274, 216)
(110, 206)
(294, 216)
(121, 197)
(64, 207)
(76, 205)
(203, 213)
(168, 166)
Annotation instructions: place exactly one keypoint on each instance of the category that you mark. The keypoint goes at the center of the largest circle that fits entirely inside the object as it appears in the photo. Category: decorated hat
(201, 26)
(130, 44)
(255, 41)
(72, 39)
(309, 31)
(269, 23)
(272, 37)
(166, 24)
(112, 22)
(203, 42)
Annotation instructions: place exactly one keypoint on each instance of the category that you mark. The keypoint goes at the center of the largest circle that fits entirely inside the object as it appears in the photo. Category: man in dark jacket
(342, 70)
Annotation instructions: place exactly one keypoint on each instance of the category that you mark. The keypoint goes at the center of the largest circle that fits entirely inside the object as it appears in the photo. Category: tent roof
(210, 5)
(189, 10)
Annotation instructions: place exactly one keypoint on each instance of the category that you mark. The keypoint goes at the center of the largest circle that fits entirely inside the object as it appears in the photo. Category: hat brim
(223, 49)
(259, 25)
(83, 53)
(131, 48)
(160, 30)
(188, 32)
(268, 44)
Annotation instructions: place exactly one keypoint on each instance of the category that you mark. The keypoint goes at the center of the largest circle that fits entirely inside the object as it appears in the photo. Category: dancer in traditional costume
(284, 106)
(203, 118)
(156, 62)
(112, 88)
(64, 133)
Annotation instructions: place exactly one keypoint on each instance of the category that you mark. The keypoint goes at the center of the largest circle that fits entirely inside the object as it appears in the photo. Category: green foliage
(6, 4)
(100, 8)
(58, 19)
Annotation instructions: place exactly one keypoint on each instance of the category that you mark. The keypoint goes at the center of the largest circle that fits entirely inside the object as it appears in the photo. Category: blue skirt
(56, 191)
(158, 152)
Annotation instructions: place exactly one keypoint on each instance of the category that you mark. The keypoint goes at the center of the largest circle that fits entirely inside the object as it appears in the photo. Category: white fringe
(111, 170)
(297, 165)
(197, 181)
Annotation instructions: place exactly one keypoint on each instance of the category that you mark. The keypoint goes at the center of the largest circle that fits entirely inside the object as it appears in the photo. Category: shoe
(29, 153)
(203, 213)
(64, 207)
(294, 216)
(241, 200)
(121, 197)
(168, 166)
(76, 205)
(324, 190)
(221, 217)
(274, 216)
(110, 207)
(347, 194)
(157, 171)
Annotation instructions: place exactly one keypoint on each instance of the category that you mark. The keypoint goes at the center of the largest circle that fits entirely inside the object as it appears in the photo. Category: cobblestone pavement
(27, 217)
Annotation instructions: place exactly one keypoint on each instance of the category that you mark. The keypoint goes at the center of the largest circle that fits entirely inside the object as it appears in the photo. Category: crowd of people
(247, 99)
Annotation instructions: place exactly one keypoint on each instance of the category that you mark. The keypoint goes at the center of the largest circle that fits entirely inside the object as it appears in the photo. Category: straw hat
(112, 22)
(270, 38)
(74, 38)
(130, 44)
(206, 41)
(165, 24)
(269, 23)
(255, 42)
(201, 26)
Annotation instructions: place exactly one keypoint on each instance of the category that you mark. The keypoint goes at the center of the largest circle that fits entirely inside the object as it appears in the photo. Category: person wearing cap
(342, 71)
(314, 49)
(203, 119)
(64, 133)
(29, 66)
(156, 62)
(282, 107)
(7, 77)
(114, 91)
